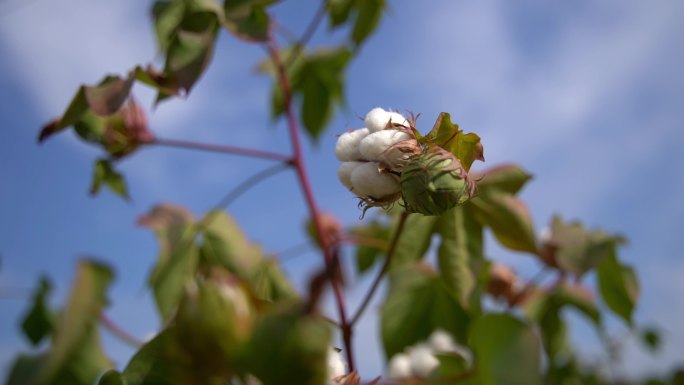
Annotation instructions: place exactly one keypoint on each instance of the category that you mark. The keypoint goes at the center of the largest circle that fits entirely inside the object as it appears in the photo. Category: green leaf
(578, 250)
(167, 15)
(651, 338)
(418, 303)
(451, 365)
(112, 377)
(251, 25)
(153, 364)
(75, 356)
(289, 348)
(465, 147)
(270, 283)
(508, 178)
(367, 254)
(460, 245)
(225, 244)
(104, 174)
(368, 19)
(507, 351)
(414, 240)
(39, 321)
(178, 254)
(618, 286)
(317, 104)
(508, 217)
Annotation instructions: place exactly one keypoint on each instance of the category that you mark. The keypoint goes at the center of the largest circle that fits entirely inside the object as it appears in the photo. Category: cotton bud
(398, 155)
(434, 182)
(347, 147)
(345, 171)
(378, 119)
(399, 367)
(423, 360)
(373, 146)
(370, 180)
(336, 366)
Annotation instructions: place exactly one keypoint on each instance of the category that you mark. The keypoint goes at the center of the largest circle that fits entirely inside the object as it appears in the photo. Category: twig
(308, 33)
(365, 241)
(118, 332)
(298, 162)
(383, 269)
(224, 149)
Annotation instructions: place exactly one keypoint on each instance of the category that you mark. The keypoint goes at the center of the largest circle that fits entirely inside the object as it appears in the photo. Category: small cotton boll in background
(336, 365)
(368, 181)
(399, 367)
(347, 147)
(374, 145)
(345, 171)
(377, 119)
(441, 341)
(423, 360)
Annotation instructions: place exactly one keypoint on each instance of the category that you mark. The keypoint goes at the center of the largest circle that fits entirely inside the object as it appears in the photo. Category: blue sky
(587, 96)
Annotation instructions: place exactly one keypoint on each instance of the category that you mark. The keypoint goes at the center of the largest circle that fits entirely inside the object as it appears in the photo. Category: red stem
(298, 162)
(117, 331)
(224, 149)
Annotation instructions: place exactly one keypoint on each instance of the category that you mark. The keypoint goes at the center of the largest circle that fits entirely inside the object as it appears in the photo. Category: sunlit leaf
(414, 240)
(466, 147)
(508, 178)
(178, 254)
(368, 19)
(460, 245)
(251, 23)
(225, 244)
(153, 363)
(289, 348)
(508, 217)
(270, 283)
(618, 286)
(112, 377)
(39, 321)
(507, 351)
(418, 303)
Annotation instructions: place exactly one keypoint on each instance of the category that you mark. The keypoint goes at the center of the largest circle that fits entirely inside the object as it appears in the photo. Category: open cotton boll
(345, 171)
(336, 365)
(377, 119)
(368, 181)
(347, 147)
(399, 367)
(441, 341)
(423, 360)
(374, 145)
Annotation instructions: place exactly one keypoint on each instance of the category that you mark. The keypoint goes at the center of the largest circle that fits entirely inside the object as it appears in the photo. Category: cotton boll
(423, 360)
(374, 145)
(377, 119)
(336, 365)
(345, 171)
(347, 147)
(441, 341)
(399, 367)
(368, 181)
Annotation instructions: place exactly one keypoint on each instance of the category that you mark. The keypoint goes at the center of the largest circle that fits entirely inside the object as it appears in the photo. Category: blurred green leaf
(153, 363)
(247, 19)
(289, 348)
(508, 217)
(225, 244)
(508, 178)
(270, 283)
(651, 338)
(414, 241)
(507, 351)
(460, 245)
(178, 258)
(112, 377)
(39, 321)
(578, 250)
(366, 254)
(368, 19)
(104, 174)
(75, 356)
(618, 286)
(418, 303)
(167, 15)
(465, 147)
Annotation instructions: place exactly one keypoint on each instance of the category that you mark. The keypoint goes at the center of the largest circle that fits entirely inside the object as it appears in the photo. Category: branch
(383, 269)
(118, 332)
(308, 33)
(224, 149)
(298, 162)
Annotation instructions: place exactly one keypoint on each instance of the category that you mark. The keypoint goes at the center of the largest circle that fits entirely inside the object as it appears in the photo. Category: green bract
(434, 182)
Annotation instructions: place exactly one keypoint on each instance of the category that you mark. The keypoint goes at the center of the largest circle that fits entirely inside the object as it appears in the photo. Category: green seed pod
(434, 182)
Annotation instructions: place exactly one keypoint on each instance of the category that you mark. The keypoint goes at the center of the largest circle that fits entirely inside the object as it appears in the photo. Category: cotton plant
(388, 160)
(422, 359)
